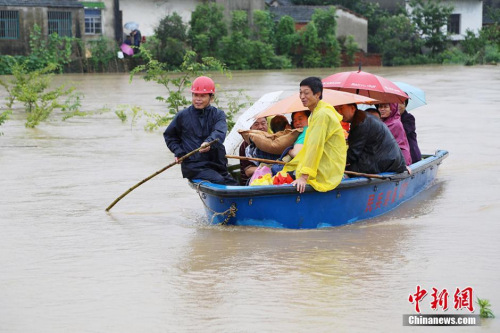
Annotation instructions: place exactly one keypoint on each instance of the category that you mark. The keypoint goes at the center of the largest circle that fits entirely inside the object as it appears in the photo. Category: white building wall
(471, 15)
(148, 13)
(350, 24)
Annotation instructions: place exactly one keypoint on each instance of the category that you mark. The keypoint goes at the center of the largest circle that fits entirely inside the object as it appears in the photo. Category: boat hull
(282, 206)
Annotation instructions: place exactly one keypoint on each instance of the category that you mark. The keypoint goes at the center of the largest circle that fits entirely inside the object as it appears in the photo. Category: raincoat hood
(397, 129)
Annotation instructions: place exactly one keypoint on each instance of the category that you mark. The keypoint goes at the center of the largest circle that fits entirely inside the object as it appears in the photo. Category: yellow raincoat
(323, 155)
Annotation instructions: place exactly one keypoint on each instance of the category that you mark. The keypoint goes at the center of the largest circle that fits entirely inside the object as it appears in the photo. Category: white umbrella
(131, 26)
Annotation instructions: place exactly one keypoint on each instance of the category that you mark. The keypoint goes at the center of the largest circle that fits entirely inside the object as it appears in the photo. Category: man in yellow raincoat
(321, 161)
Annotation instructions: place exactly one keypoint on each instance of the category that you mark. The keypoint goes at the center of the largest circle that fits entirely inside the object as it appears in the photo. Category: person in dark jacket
(136, 39)
(372, 147)
(408, 121)
(195, 127)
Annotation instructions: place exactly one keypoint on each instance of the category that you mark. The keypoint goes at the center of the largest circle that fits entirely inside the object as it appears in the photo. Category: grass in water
(484, 308)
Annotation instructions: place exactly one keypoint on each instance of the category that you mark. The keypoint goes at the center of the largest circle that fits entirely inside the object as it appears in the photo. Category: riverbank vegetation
(178, 52)
(401, 37)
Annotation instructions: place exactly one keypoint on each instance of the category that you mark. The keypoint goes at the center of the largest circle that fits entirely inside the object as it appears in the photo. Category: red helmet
(203, 85)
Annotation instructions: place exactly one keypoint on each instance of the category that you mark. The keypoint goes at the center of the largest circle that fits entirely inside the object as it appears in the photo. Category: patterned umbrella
(366, 84)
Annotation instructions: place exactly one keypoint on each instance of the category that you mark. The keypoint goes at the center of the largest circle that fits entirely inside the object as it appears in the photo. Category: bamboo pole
(157, 173)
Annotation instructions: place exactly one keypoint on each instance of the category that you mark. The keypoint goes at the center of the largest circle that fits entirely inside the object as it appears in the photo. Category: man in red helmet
(195, 127)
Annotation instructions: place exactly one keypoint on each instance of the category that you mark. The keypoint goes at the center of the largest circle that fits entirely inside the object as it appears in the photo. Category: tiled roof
(41, 3)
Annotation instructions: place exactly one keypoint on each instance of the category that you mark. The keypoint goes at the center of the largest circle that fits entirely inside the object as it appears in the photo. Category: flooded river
(153, 264)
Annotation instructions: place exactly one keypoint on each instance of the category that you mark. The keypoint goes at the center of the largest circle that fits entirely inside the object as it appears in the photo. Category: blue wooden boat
(355, 199)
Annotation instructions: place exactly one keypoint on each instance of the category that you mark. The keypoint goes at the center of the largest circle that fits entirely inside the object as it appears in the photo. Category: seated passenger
(410, 129)
(371, 146)
(247, 168)
(321, 162)
(279, 123)
(391, 117)
(300, 119)
(374, 112)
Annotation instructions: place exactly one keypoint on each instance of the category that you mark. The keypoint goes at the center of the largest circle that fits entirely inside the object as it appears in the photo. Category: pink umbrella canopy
(366, 84)
(293, 103)
(127, 49)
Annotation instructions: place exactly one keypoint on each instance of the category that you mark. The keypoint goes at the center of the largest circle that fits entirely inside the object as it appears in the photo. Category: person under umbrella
(372, 147)
(321, 161)
(390, 116)
(408, 121)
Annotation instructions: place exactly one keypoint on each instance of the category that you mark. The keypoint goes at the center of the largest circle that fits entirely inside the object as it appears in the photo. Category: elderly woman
(389, 114)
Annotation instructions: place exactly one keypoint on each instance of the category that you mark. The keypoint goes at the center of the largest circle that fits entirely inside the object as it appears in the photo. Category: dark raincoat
(372, 147)
(410, 129)
(187, 131)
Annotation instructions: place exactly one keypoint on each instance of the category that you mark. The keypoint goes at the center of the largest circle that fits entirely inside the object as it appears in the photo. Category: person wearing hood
(390, 116)
(196, 126)
(321, 161)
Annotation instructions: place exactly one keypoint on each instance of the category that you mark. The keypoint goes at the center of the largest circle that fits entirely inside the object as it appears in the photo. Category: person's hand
(177, 160)
(409, 170)
(301, 183)
(204, 147)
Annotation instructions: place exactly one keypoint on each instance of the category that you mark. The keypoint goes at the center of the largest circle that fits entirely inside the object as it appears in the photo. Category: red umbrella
(366, 84)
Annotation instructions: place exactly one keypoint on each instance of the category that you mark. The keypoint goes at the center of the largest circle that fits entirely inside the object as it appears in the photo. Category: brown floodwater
(154, 265)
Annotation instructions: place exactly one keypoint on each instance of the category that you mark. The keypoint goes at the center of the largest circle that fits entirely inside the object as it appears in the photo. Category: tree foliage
(431, 18)
(263, 27)
(401, 40)
(207, 27)
(171, 35)
(326, 25)
(285, 36)
(309, 46)
(32, 89)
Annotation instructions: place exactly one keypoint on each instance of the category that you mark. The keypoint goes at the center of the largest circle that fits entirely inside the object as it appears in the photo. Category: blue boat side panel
(282, 207)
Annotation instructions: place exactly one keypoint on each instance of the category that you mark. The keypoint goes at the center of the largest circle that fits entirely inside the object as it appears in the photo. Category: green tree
(263, 27)
(103, 52)
(234, 49)
(171, 36)
(207, 27)
(47, 51)
(351, 47)
(285, 36)
(401, 40)
(309, 45)
(351, 4)
(376, 18)
(430, 17)
(326, 24)
(32, 89)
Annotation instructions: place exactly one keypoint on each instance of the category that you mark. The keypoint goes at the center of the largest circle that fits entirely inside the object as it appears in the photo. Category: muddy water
(153, 265)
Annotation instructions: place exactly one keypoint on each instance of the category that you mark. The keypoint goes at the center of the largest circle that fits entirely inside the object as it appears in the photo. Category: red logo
(461, 299)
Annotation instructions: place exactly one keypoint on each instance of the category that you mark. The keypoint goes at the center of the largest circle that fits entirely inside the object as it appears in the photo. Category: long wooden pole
(157, 173)
(263, 160)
